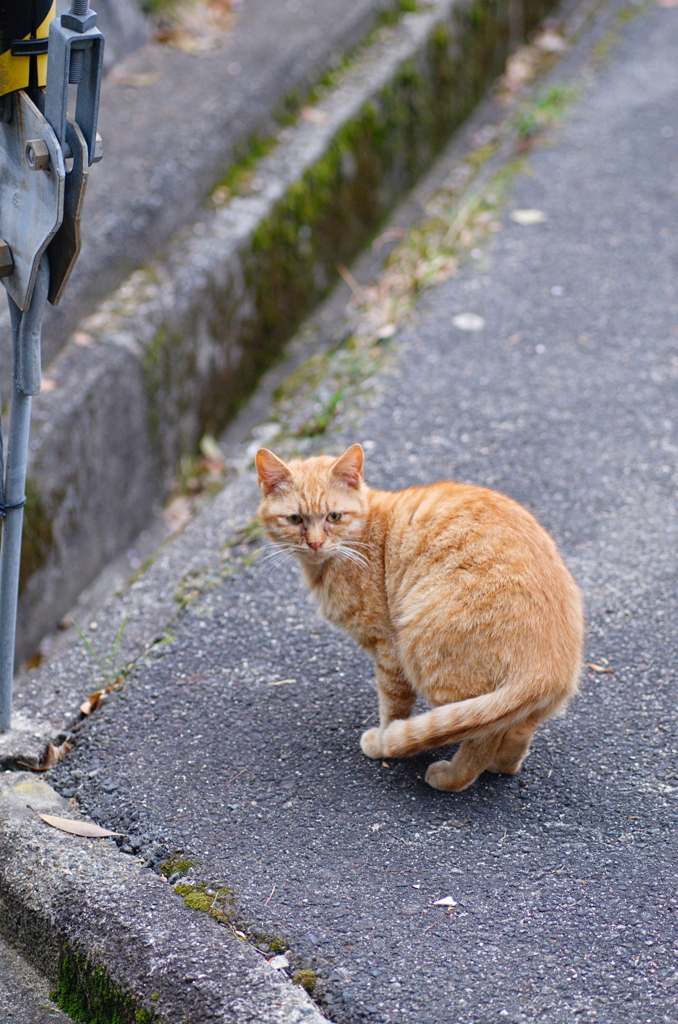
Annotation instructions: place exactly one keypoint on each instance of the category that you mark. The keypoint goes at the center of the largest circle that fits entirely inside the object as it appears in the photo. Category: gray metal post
(40, 209)
(26, 382)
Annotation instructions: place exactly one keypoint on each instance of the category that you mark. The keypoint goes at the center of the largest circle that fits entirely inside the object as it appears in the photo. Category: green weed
(107, 673)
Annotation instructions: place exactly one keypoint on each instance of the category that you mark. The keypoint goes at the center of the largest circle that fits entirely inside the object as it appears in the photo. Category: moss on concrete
(177, 864)
(86, 993)
(38, 533)
(307, 979)
(218, 902)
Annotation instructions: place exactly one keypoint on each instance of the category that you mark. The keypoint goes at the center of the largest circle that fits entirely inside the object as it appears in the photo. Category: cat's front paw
(370, 744)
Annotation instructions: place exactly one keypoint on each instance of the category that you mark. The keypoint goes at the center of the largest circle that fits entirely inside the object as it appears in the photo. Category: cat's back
(474, 584)
(471, 537)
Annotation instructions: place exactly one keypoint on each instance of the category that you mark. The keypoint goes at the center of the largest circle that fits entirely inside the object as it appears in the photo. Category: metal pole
(40, 208)
(26, 382)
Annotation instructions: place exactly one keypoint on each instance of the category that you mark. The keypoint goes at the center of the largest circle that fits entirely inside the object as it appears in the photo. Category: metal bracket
(64, 248)
(76, 57)
(31, 199)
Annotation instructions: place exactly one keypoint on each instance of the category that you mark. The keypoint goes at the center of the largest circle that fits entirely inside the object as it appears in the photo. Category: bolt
(37, 155)
(6, 261)
(75, 67)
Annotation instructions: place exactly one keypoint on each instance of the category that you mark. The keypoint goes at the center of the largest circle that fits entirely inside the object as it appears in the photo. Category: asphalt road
(237, 740)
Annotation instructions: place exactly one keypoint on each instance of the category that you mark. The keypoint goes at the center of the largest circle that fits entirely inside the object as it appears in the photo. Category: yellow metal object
(22, 19)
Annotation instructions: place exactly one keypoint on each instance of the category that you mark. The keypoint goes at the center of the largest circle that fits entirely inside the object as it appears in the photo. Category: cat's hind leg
(471, 759)
(513, 749)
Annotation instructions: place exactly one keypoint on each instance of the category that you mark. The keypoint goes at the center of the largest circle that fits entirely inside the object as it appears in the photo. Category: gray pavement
(232, 750)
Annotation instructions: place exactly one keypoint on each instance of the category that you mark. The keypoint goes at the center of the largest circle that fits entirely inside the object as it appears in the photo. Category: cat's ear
(272, 470)
(349, 467)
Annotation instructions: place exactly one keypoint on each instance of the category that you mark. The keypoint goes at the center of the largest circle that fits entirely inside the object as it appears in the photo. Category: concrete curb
(114, 937)
(176, 349)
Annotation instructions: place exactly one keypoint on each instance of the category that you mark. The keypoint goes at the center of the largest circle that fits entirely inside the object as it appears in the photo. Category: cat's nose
(314, 544)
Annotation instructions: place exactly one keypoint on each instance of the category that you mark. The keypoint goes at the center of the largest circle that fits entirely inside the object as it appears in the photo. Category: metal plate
(64, 248)
(31, 201)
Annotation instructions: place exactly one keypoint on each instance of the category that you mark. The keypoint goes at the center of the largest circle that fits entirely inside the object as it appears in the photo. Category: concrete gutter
(114, 938)
(175, 350)
(174, 120)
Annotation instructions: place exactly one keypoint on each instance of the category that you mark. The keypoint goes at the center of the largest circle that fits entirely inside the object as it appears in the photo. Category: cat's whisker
(268, 571)
(349, 555)
(271, 559)
(277, 545)
(359, 559)
(263, 557)
(273, 556)
(354, 549)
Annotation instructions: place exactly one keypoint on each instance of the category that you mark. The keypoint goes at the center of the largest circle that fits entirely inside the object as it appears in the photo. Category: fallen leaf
(446, 901)
(520, 68)
(51, 757)
(177, 513)
(211, 450)
(221, 195)
(313, 115)
(600, 668)
(95, 699)
(92, 702)
(527, 217)
(279, 962)
(54, 754)
(551, 42)
(34, 661)
(468, 321)
(77, 828)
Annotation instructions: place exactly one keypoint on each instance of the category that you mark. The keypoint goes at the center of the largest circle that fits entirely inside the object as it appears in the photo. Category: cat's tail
(466, 719)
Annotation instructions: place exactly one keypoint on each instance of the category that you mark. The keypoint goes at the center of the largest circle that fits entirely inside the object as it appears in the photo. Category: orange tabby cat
(455, 590)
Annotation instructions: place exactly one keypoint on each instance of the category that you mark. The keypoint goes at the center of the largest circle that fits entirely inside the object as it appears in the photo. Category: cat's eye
(333, 517)
(294, 518)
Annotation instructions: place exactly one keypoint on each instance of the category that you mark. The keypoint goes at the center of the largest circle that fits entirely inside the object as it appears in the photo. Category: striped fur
(456, 591)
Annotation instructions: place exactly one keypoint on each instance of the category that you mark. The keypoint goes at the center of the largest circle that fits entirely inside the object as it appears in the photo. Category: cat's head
(316, 507)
